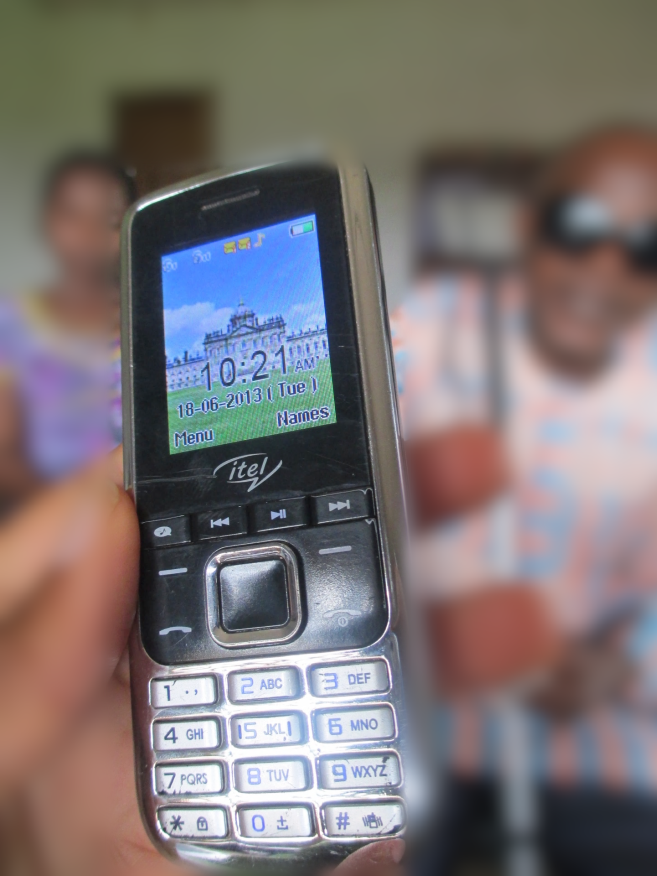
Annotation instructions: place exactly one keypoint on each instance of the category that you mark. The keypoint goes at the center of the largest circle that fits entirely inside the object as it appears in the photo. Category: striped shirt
(584, 495)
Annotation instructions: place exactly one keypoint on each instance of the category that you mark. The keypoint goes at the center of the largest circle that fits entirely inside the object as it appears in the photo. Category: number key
(189, 778)
(355, 725)
(195, 691)
(181, 735)
(272, 684)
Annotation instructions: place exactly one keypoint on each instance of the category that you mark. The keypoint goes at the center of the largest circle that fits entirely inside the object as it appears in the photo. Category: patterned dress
(68, 385)
(585, 503)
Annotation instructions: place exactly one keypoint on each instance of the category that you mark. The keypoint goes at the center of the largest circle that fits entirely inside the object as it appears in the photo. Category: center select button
(280, 514)
(253, 594)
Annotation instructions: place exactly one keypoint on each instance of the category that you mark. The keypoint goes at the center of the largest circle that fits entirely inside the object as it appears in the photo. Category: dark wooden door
(164, 137)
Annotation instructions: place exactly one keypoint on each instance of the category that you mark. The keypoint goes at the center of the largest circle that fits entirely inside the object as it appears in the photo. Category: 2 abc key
(270, 684)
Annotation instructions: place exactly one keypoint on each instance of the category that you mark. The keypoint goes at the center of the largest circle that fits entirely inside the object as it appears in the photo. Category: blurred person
(68, 804)
(60, 394)
(579, 464)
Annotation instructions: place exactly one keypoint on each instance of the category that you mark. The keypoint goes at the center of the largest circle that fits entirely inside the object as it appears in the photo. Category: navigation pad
(342, 601)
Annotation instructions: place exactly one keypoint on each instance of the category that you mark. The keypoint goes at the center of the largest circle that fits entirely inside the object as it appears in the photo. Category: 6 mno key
(262, 450)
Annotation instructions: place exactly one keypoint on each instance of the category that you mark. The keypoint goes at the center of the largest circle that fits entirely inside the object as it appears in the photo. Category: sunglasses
(577, 224)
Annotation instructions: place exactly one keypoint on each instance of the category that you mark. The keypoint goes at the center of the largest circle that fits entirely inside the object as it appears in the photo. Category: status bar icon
(302, 228)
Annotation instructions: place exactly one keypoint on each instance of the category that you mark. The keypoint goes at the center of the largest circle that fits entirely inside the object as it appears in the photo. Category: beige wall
(389, 77)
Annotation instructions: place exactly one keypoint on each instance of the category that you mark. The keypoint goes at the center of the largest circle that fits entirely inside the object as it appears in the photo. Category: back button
(225, 521)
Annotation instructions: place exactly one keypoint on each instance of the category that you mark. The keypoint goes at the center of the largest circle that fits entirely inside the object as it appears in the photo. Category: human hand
(67, 599)
(591, 672)
(492, 637)
(454, 471)
(68, 577)
(83, 806)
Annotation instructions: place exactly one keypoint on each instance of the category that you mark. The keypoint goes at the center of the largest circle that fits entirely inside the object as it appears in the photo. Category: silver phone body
(383, 438)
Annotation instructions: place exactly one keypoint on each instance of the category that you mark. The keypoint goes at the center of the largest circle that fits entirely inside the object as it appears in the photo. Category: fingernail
(397, 849)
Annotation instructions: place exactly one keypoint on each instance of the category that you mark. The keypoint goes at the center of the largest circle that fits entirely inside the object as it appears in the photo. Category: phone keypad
(258, 783)
(253, 767)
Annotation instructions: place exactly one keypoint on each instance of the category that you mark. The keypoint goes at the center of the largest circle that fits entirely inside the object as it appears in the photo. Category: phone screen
(247, 352)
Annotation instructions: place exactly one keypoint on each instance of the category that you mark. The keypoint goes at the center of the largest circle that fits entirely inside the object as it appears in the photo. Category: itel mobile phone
(262, 448)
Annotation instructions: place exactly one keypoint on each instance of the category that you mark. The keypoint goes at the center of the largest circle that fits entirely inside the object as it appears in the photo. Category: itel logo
(243, 471)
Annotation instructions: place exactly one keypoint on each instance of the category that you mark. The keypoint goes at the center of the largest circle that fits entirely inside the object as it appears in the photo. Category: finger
(83, 806)
(50, 531)
(372, 858)
(113, 465)
(66, 643)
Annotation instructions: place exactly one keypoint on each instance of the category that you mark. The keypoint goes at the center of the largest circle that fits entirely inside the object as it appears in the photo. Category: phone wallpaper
(247, 353)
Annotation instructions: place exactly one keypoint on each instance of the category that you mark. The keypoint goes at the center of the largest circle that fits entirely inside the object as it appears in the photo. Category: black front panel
(343, 601)
(321, 458)
(306, 487)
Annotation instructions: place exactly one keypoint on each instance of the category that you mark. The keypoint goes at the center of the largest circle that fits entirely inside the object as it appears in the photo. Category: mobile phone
(262, 447)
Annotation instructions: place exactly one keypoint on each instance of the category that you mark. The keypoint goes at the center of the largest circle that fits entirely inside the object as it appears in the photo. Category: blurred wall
(388, 77)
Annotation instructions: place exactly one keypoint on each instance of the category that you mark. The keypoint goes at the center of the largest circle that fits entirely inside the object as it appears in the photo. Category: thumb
(47, 533)
(378, 858)
(70, 633)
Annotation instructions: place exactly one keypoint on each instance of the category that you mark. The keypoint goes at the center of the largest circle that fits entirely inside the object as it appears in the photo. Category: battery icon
(302, 228)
